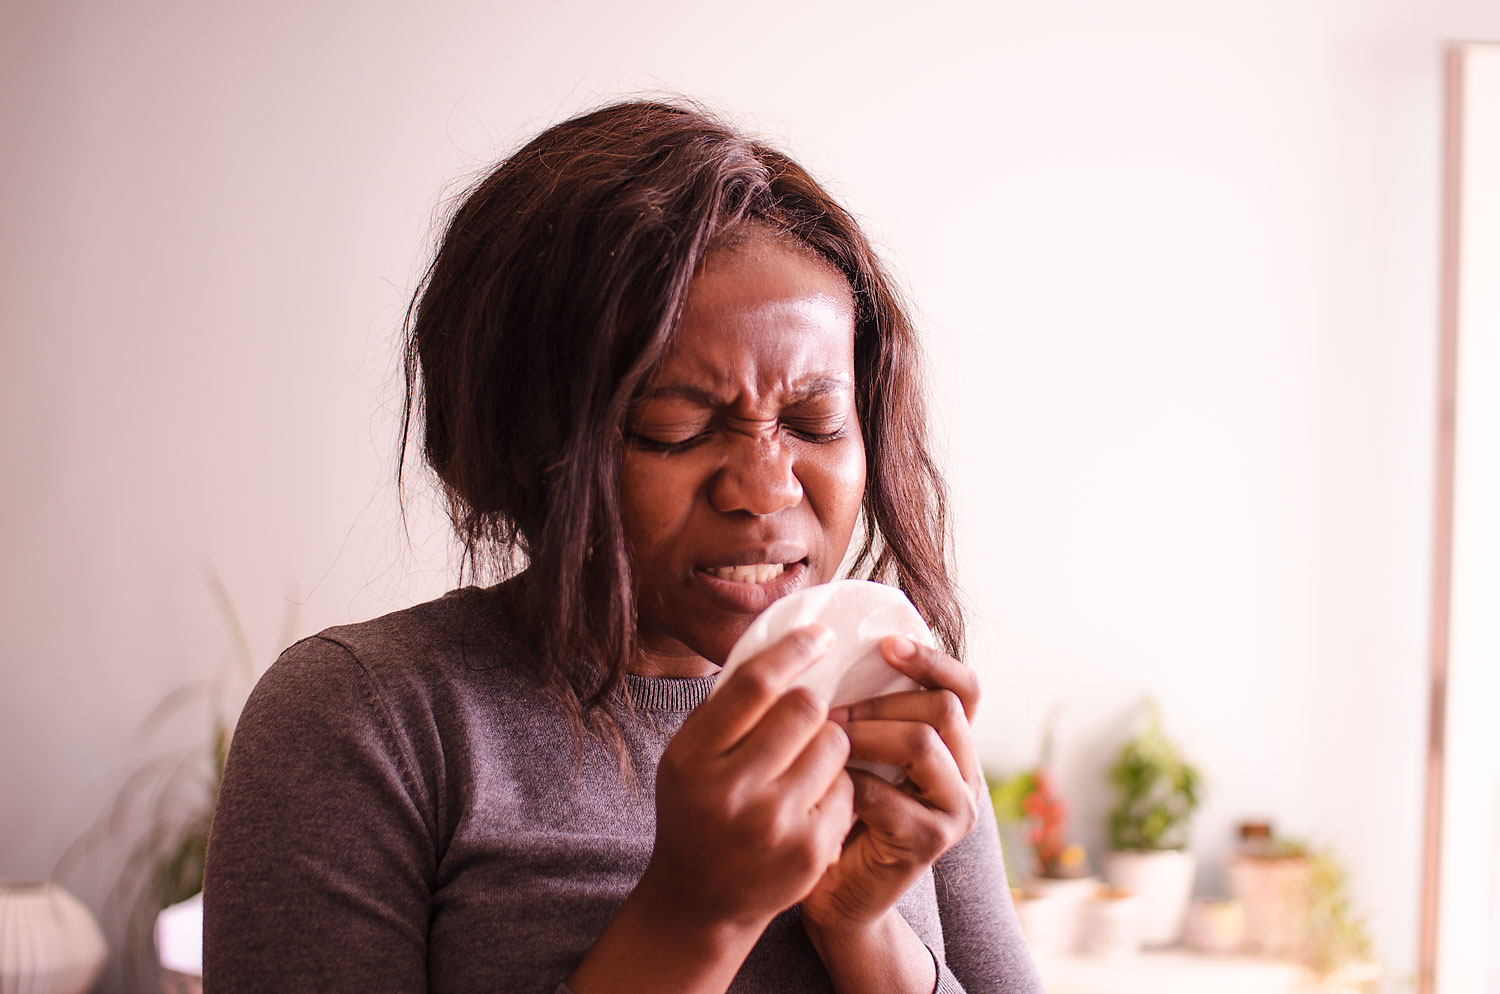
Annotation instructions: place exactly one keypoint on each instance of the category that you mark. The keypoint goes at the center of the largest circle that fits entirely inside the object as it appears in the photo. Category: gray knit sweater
(403, 810)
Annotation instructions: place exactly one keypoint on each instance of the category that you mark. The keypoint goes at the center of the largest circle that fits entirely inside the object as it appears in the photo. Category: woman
(656, 364)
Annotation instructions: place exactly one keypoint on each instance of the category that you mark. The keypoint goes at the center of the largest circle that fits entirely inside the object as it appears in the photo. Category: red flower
(1048, 814)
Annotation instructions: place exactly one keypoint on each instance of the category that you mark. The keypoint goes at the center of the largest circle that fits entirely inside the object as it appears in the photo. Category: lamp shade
(49, 941)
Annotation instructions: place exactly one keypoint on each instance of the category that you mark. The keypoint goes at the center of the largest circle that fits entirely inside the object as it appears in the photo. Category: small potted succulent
(1156, 792)
(1112, 923)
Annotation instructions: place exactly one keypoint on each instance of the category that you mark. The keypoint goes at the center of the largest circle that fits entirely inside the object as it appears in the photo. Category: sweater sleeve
(984, 948)
(320, 857)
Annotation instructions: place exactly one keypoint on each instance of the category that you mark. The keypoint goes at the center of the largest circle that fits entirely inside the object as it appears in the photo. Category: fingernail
(838, 715)
(902, 647)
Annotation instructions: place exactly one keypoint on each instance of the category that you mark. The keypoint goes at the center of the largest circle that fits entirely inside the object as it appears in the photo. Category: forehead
(761, 313)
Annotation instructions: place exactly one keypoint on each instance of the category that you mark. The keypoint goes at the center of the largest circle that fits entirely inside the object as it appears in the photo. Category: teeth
(754, 573)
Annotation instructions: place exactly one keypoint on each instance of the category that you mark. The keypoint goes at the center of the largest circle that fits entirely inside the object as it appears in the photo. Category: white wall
(1177, 263)
(1468, 954)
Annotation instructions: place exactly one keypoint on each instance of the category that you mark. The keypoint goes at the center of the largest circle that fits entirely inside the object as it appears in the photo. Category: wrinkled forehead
(765, 316)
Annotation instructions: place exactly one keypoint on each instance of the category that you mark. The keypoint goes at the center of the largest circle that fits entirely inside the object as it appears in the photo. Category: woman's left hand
(903, 828)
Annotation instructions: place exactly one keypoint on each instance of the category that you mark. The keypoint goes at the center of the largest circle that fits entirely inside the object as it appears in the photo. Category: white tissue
(860, 614)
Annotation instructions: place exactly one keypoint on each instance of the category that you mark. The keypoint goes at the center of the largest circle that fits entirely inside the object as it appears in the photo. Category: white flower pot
(1112, 926)
(1071, 893)
(1164, 882)
(49, 941)
(1216, 925)
(1045, 920)
(179, 937)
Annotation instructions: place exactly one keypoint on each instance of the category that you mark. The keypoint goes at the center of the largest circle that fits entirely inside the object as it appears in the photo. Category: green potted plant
(1057, 885)
(1337, 945)
(161, 816)
(1050, 906)
(1298, 906)
(1156, 793)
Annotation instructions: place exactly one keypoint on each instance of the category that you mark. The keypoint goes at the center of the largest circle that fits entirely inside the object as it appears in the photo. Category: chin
(716, 649)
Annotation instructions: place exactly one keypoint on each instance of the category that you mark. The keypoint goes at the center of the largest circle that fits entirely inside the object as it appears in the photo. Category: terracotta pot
(1273, 891)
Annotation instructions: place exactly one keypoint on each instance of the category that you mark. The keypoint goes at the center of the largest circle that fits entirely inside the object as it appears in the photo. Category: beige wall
(1177, 263)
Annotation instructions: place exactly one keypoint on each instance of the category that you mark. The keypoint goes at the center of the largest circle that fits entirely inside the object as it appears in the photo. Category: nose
(758, 476)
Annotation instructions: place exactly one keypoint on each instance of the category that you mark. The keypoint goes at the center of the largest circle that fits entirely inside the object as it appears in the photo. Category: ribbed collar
(669, 694)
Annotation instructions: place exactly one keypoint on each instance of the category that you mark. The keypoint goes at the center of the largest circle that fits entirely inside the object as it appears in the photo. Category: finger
(933, 669)
(808, 778)
(899, 822)
(835, 815)
(917, 749)
(942, 709)
(879, 803)
(751, 690)
(786, 730)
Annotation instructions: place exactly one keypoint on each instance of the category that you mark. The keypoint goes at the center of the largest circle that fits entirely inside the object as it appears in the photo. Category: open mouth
(752, 573)
(749, 588)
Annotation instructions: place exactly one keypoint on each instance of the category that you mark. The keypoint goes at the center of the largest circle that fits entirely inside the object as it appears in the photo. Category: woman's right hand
(752, 799)
(752, 806)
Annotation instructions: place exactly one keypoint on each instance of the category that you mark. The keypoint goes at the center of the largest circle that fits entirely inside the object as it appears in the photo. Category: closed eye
(809, 435)
(818, 424)
(647, 443)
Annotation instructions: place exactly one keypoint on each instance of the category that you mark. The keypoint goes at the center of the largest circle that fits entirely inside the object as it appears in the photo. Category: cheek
(857, 484)
(839, 481)
(651, 506)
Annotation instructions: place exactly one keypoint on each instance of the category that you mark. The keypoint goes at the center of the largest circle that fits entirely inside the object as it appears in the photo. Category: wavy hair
(552, 298)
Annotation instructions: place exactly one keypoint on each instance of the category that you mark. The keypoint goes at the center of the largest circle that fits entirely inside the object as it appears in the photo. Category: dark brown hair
(552, 298)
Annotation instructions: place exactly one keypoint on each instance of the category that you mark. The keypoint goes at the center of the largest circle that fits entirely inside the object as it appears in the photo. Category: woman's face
(744, 464)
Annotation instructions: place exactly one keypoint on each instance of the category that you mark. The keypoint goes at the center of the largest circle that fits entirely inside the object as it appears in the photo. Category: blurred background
(1177, 265)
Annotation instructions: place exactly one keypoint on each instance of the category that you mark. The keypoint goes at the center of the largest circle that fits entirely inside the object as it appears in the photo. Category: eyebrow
(816, 387)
